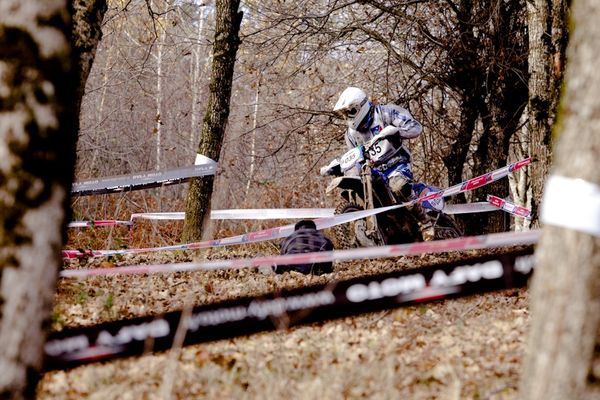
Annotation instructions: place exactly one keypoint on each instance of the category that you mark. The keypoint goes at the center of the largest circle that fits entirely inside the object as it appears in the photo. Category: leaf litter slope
(463, 348)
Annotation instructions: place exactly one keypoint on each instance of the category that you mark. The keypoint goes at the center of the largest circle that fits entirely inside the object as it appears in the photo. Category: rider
(367, 120)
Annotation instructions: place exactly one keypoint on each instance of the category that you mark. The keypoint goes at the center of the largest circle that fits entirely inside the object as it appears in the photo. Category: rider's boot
(425, 223)
(402, 190)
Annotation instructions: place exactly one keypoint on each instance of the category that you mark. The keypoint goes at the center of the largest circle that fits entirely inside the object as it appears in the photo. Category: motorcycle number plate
(350, 158)
(380, 150)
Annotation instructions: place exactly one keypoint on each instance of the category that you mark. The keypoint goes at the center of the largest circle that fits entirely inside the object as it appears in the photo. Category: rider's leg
(400, 185)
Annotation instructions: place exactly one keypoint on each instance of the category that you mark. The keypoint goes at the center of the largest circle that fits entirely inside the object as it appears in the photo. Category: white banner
(251, 213)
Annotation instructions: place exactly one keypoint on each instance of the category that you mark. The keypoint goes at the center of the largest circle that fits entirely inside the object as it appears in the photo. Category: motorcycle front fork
(372, 230)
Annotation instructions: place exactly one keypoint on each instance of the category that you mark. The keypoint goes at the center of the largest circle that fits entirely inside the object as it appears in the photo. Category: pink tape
(464, 243)
(322, 223)
(509, 207)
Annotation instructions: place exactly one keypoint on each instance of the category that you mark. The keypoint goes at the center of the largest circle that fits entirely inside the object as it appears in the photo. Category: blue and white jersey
(383, 116)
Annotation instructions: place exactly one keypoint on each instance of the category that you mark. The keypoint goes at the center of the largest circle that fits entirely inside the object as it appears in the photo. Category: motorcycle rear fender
(346, 183)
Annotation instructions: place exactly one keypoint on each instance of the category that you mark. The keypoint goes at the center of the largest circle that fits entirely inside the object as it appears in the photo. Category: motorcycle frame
(367, 179)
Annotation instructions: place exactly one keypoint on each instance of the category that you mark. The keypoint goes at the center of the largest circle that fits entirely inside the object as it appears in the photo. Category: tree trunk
(158, 99)
(87, 16)
(253, 136)
(520, 181)
(226, 43)
(507, 96)
(565, 306)
(547, 43)
(38, 99)
(466, 78)
(195, 77)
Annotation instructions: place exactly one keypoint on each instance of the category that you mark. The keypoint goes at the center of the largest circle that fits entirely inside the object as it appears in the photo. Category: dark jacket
(306, 239)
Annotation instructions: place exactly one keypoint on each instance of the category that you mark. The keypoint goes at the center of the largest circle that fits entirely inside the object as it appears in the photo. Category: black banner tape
(141, 180)
(280, 310)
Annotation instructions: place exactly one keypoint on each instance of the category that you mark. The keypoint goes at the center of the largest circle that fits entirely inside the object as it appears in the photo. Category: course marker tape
(266, 213)
(409, 249)
(141, 180)
(159, 216)
(296, 213)
(322, 223)
(101, 222)
(468, 208)
(203, 160)
(252, 237)
(509, 207)
(250, 213)
(571, 203)
(474, 183)
(72, 347)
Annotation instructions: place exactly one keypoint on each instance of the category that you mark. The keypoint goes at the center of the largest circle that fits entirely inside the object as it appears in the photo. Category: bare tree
(565, 291)
(467, 56)
(37, 139)
(225, 47)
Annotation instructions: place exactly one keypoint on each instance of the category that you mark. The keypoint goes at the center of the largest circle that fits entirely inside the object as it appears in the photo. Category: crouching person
(306, 239)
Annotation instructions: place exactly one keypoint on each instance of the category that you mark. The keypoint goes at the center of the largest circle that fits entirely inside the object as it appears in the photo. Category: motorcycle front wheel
(351, 234)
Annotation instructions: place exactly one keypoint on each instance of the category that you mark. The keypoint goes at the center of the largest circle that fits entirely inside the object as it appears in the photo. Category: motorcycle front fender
(353, 183)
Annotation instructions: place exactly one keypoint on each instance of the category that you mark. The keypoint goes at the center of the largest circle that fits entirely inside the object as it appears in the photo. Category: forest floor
(466, 348)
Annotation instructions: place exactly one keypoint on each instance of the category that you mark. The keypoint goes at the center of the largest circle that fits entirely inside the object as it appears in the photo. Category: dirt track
(454, 349)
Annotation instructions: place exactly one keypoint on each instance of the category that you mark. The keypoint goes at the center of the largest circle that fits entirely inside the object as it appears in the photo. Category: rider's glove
(332, 169)
(389, 130)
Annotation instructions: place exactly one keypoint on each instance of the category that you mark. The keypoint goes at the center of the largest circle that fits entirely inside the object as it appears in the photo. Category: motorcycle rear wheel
(447, 228)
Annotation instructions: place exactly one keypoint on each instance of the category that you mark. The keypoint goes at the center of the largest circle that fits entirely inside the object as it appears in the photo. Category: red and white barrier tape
(267, 213)
(410, 249)
(253, 237)
(297, 213)
(509, 207)
(322, 223)
(475, 183)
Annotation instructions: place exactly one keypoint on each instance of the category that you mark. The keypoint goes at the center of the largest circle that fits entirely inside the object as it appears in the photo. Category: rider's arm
(350, 141)
(408, 127)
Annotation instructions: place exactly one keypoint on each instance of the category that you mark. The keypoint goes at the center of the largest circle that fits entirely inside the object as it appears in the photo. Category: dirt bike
(369, 190)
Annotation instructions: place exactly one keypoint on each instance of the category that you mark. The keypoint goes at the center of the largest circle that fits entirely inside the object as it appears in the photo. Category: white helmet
(354, 105)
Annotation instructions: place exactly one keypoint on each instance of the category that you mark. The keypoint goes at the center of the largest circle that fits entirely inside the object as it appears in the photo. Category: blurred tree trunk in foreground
(548, 37)
(225, 47)
(565, 308)
(37, 145)
(41, 59)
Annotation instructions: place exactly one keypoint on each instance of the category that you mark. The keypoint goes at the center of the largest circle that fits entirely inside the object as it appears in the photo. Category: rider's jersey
(393, 150)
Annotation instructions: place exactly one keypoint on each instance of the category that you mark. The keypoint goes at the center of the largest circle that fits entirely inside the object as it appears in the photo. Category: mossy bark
(548, 36)
(87, 33)
(226, 43)
(40, 94)
(565, 305)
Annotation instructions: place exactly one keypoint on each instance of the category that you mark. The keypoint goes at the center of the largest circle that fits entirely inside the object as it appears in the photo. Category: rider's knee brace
(401, 187)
